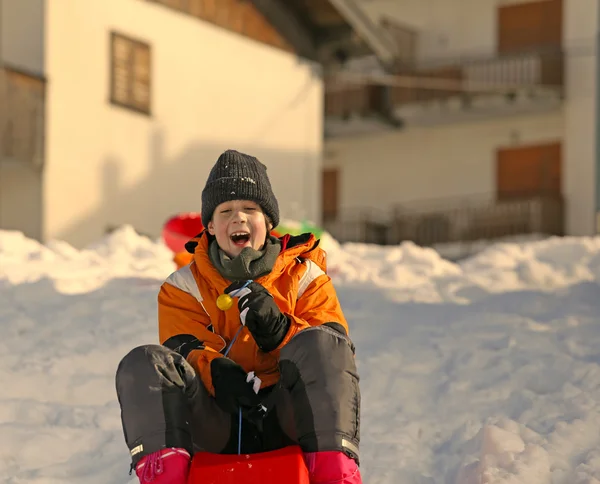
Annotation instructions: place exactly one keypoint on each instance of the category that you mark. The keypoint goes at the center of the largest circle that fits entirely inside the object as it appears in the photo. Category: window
(130, 73)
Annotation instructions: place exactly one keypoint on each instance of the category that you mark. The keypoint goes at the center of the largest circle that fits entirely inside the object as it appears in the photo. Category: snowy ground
(485, 371)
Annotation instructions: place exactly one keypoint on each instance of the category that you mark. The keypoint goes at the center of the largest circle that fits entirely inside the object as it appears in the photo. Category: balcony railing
(369, 226)
(457, 221)
(22, 106)
(542, 70)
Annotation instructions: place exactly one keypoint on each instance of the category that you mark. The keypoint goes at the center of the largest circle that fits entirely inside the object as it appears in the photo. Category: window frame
(135, 44)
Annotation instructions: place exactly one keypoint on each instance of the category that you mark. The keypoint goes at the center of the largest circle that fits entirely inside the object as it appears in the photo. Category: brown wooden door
(330, 194)
(529, 171)
(531, 25)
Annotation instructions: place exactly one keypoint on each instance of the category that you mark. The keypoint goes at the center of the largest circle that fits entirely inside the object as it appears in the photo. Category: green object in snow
(299, 228)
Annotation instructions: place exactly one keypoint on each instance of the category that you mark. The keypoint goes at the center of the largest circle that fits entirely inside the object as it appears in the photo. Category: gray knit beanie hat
(237, 176)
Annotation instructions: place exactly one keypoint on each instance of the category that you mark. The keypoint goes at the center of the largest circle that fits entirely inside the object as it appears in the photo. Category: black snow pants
(316, 403)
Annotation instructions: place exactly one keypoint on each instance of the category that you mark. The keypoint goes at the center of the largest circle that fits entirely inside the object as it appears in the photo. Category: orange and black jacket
(190, 322)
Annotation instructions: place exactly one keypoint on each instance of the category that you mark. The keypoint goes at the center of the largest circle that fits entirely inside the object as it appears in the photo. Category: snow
(484, 371)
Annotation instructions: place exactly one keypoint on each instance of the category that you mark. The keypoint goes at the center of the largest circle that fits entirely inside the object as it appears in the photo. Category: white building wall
(423, 163)
(212, 90)
(580, 27)
(22, 34)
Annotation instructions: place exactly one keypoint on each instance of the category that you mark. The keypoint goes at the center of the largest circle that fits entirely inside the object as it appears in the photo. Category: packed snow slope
(486, 371)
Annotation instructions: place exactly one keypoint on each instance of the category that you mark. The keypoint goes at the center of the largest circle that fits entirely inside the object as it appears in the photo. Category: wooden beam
(288, 24)
(334, 34)
(377, 39)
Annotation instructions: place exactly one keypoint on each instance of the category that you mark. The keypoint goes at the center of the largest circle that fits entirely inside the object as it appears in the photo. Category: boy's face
(238, 224)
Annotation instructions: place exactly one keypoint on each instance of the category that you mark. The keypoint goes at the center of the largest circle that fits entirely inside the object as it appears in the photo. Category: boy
(281, 355)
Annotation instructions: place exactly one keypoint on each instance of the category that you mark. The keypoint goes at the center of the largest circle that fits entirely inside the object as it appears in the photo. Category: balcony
(449, 221)
(22, 105)
(451, 90)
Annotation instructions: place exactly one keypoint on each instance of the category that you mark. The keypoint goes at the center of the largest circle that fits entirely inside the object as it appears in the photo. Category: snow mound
(416, 273)
(126, 244)
(16, 248)
(511, 453)
(122, 253)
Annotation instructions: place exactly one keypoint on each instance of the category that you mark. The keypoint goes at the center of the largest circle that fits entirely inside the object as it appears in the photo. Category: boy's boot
(328, 467)
(167, 466)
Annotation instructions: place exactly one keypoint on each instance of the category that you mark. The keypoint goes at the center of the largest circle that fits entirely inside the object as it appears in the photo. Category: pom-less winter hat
(237, 176)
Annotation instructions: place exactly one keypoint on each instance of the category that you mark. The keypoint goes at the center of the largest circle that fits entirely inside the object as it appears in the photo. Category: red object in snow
(276, 467)
(180, 229)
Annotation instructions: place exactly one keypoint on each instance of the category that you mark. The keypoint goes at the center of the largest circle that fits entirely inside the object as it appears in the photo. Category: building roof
(325, 30)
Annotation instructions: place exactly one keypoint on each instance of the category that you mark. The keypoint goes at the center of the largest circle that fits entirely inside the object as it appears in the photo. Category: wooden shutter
(130, 73)
(141, 77)
(529, 171)
(122, 51)
(330, 195)
(532, 25)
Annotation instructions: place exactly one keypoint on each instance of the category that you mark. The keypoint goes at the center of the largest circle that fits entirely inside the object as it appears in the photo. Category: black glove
(232, 392)
(260, 314)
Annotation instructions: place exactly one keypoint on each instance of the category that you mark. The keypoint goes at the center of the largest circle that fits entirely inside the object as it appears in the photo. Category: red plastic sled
(180, 229)
(283, 466)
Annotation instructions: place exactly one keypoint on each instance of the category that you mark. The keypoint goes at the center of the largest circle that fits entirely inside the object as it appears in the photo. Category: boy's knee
(156, 363)
(338, 327)
(142, 356)
(138, 355)
(322, 356)
(319, 344)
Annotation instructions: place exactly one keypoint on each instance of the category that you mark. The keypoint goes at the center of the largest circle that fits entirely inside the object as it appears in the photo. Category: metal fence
(363, 225)
(458, 221)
